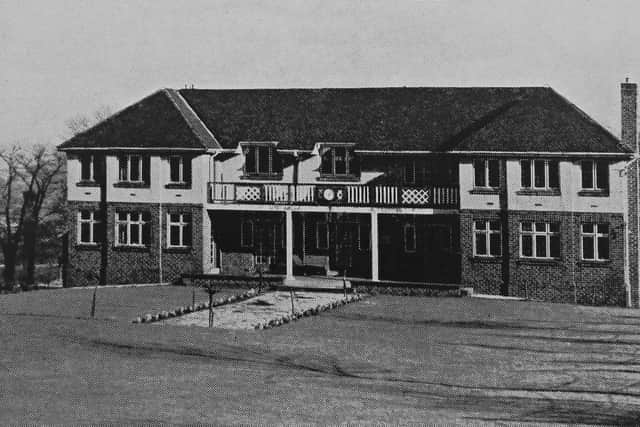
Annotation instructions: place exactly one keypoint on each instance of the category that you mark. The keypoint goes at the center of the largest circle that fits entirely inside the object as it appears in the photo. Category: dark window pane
(135, 168)
(122, 216)
(174, 166)
(122, 160)
(527, 226)
(602, 175)
(540, 226)
(145, 216)
(479, 171)
(327, 162)
(98, 231)
(409, 238)
(541, 246)
(587, 174)
(481, 244)
(525, 173)
(527, 246)
(494, 173)
(479, 225)
(187, 231)
(554, 180)
(122, 233)
(587, 228)
(494, 225)
(174, 235)
(246, 235)
(264, 159)
(494, 244)
(538, 173)
(554, 246)
(85, 214)
(85, 162)
(85, 230)
(603, 248)
(603, 228)
(587, 247)
(135, 234)
(174, 217)
(554, 227)
(341, 161)
(250, 164)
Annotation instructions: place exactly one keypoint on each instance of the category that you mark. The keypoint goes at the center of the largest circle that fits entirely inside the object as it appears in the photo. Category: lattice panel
(248, 194)
(415, 196)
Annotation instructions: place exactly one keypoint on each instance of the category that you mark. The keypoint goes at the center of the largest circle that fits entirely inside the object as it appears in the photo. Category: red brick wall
(565, 280)
(134, 265)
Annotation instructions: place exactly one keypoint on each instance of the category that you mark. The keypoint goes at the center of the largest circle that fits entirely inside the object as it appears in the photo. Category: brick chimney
(629, 99)
(629, 137)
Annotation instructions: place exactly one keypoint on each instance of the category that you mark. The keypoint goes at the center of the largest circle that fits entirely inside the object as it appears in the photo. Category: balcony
(335, 195)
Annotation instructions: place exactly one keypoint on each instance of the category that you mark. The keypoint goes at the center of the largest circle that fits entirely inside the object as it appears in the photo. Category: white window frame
(594, 175)
(270, 152)
(182, 225)
(127, 178)
(532, 172)
(244, 223)
(485, 165)
(92, 221)
(547, 233)
(486, 233)
(181, 176)
(405, 228)
(348, 158)
(595, 234)
(129, 221)
(92, 172)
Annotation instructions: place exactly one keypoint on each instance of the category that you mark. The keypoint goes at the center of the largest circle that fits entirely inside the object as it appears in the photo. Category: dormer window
(338, 161)
(261, 160)
(87, 167)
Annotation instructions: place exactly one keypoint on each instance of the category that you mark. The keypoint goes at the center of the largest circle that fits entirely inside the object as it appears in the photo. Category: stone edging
(308, 312)
(148, 318)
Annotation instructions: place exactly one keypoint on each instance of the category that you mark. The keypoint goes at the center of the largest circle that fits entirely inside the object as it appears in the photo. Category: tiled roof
(161, 120)
(423, 118)
(431, 119)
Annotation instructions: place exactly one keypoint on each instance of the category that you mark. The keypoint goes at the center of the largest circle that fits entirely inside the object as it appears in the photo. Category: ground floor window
(246, 233)
(409, 238)
(179, 230)
(595, 242)
(133, 228)
(486, 238)
(88, 227)
(322, 235)
(539, 240)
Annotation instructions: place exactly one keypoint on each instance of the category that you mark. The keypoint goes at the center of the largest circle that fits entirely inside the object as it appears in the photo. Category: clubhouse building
(508, 190)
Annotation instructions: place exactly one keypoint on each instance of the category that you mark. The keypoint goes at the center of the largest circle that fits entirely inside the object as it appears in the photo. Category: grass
(391, 359)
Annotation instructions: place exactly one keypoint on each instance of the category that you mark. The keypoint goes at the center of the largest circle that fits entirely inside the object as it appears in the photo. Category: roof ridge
(175, 97)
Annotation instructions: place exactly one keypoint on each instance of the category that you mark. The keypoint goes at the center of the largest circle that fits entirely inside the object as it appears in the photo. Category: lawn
(385, 359)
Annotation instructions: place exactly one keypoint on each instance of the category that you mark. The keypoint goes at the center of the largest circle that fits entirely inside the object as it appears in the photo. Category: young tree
(12, 216)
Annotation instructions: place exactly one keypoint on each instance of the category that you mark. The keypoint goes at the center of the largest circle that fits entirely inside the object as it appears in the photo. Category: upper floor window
(338, 161)
(595, 175)
(539, 240)
(133, 168)
(486, 173)
(89, 231)
(179, 170)
(133, 228)
(87, 167)
(539, 174)
(595, 242)
(410, 172)
(486, 238)
(261, 159)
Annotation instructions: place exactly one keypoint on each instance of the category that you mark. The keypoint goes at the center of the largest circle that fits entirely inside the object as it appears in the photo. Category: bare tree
(82, 122)
(41, 172)
(12, 212)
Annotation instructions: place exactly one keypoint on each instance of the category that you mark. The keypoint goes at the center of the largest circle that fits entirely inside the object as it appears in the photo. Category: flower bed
(179, 311)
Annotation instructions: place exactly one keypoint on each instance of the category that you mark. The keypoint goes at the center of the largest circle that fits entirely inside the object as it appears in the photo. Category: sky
(63, 58)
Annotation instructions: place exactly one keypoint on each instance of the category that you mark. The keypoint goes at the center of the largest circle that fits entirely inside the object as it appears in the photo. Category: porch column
(289, 242)
(374, 246)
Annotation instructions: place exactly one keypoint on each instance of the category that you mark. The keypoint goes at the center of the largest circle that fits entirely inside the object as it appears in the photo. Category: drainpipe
(160, 241)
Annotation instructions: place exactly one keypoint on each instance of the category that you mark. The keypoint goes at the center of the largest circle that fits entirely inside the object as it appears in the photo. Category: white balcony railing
(330, 194)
